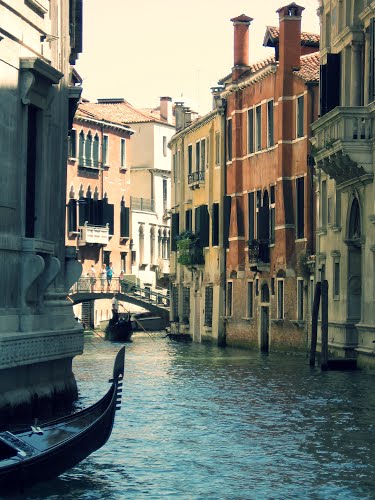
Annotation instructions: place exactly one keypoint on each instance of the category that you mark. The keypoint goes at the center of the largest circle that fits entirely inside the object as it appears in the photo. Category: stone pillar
(366, 76)
(355, 76)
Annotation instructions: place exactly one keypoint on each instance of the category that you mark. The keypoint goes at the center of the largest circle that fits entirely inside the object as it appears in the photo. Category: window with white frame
(72, 143)
(272, 214)
(250, 131)
(300, 304)
(250, 299)
(300, 116)
(105, 150)
(280, 298)
(217, 148)
(229, 139)
(123, 153)
(197, 155)
(258, 127)
(270, 127)
(88, 149)
(229, 298)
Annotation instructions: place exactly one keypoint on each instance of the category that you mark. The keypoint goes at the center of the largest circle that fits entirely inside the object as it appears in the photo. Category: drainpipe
(310, 175)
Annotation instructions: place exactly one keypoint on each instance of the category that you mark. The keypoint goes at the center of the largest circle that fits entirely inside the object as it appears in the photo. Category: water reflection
(202, 422)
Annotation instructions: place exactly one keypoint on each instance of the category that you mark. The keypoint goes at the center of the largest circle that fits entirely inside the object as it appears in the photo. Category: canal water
(200, 422)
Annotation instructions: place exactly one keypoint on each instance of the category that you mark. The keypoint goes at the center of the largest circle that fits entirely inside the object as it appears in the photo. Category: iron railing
(142, 204)
(196, 177)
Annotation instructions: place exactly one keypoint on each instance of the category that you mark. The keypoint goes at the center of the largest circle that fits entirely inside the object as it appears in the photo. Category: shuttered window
(250, 217)
(108, 215)
(175, 229)
(190, 159)
(202, 225)
(72, 215)
(124, 220)
(300, 207)
(227, 210)
(229, 140)
(330, 81)
(215, 224)
(188, 220)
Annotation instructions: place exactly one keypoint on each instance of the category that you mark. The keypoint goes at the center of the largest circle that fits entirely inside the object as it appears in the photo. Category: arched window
(165, 249)
(95, 151)
(81, 149)
(159, 244)
(265, 293)
(88, 150)
(354, 229)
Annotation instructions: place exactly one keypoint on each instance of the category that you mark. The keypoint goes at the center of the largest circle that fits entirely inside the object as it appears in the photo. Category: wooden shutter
(227, 210)
(188, 220)
(82, 211)
(215, 224)
(124, 221)
(72, 215)
(250, 211)
(175, 229)
(300, 191)
(108, 215)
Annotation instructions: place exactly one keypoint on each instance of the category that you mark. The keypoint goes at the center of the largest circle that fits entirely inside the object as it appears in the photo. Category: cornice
(251, 80)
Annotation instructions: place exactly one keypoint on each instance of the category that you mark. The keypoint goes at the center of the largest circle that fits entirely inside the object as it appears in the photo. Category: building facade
(198, 254)
(344, 156)
(270, 106)
(98, 201)
(38, 96)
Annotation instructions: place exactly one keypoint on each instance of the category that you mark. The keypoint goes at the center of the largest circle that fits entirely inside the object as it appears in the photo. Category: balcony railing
(93, 235)
(342, 124)
(196, 177)
(259, 251)
(142, 204)
(89, 163)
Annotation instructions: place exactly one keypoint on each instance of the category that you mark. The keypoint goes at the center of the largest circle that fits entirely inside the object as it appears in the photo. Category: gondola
(119, 329)
(40, 453)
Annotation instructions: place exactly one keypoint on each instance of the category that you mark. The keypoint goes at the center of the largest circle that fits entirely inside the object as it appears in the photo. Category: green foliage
(189, 254)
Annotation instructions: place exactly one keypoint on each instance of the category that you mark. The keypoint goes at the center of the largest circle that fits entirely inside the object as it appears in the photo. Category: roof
(271, 37)
(310, 66)
(118, 112)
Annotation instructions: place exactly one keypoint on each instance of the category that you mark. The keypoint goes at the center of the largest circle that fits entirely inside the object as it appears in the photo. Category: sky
(143, 49)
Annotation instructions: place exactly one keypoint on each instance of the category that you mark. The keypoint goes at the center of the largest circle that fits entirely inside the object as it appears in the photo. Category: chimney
(166, 108)
(187, 116)
(179, 114)
(290, 37)
(241, 45)
(217, 101)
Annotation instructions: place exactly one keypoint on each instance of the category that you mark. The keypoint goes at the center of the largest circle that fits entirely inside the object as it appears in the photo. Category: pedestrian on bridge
(109, 271)
(92, 276)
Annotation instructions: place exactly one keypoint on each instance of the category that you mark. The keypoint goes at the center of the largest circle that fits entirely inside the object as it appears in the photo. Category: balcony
(89, 164)
(91, 235)
(142, 204)
(259, 254)
(195, 179)
(342, 144)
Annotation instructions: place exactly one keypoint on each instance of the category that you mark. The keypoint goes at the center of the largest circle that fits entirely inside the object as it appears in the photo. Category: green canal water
(200, 422)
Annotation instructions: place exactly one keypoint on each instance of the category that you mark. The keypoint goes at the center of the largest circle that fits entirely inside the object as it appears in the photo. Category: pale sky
(144, 49)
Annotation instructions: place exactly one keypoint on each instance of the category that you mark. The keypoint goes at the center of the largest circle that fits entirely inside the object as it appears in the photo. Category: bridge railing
(86, 284)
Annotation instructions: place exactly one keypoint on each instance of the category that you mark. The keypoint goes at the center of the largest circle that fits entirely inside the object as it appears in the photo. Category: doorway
(354, 285)
(264, 318)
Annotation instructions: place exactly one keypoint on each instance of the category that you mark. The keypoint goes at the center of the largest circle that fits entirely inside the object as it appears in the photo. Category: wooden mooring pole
(314, 323)
(324, 354)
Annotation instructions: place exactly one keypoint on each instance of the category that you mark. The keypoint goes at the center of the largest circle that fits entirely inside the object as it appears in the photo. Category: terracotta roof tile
(310, 66)
(121, 113)
(272, 36)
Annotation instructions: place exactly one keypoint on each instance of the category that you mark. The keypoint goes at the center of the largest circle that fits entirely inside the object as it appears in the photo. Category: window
(95, 151)
(123, 153)
(152, 245)
(185, 304)
(197, 155)
(217, 148)
(215, 224)
(105, 149)
(250, 299)
(270, 131)
(229, 140)
(174, 159)
(81, 149)
(338, 208)
(165, 195)
(203, 154)
(250, 131)
(141, 239)
(164, 145)
(329, 210)
(188, 220)
(229, 298)
(250, 211)
(175, 229)
(323, 201)
(72, 215)
(336, 277)
(258, 127)
(202, 226)
(208, 304)
(257, 210)
(124, 220)
(300, 208)
(72, 143)
(88, 150)
(280, 299)
(300, 299)
(123, 256)
(300, 116)
(106, 257)
(134, 257)
(190, 159)
(272, 214)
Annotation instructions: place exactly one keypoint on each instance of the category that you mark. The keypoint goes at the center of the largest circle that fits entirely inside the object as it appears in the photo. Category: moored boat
(40, 453)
